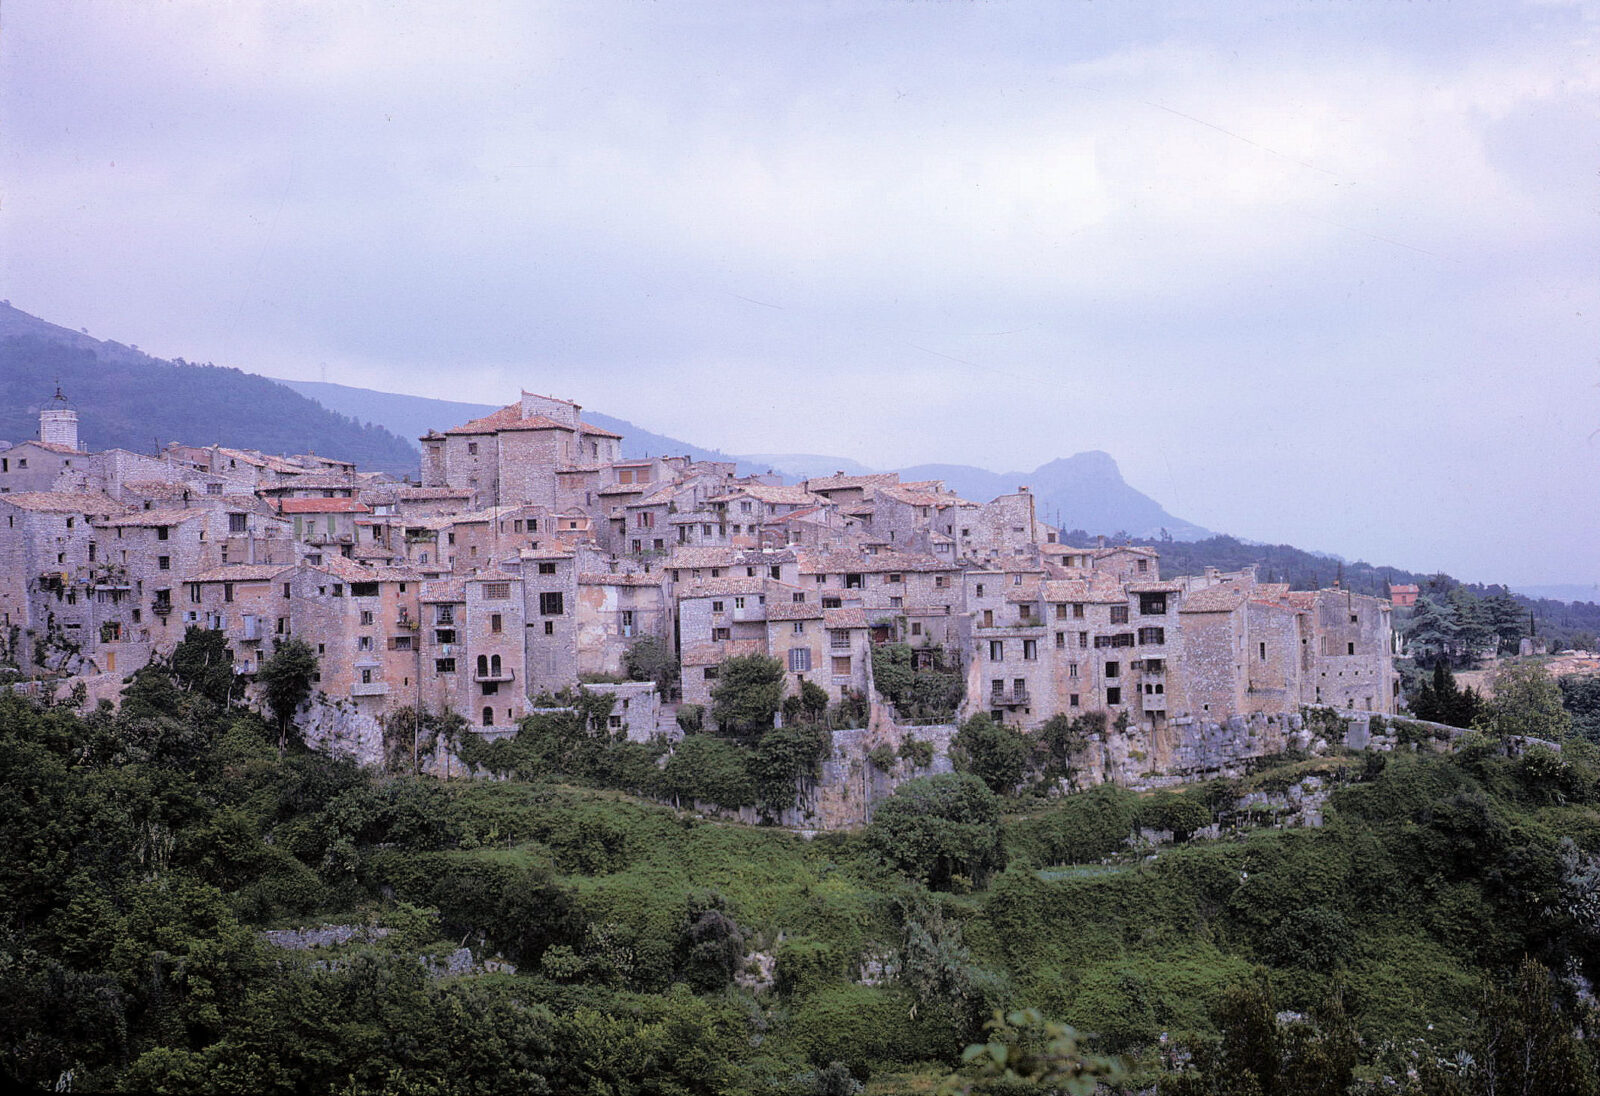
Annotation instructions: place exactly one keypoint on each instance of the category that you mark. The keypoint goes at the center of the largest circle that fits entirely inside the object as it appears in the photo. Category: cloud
(1256, 251)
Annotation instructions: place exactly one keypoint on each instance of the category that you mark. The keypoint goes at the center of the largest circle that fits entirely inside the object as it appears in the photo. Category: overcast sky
(1316, 272)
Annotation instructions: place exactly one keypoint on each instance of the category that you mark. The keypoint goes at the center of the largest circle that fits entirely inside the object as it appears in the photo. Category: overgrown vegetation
(1430, 938)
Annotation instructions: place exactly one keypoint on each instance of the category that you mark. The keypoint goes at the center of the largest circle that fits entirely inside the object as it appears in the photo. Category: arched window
(494, 665)
(483, 665)
(488, 717)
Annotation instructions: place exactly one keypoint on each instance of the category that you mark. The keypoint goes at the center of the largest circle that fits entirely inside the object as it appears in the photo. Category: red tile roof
(322, 506)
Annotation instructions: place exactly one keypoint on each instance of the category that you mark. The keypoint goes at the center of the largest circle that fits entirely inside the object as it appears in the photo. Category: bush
(993, 752)
(938, 828)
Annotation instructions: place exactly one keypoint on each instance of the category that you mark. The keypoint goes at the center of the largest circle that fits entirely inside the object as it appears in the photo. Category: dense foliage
(1434, 931)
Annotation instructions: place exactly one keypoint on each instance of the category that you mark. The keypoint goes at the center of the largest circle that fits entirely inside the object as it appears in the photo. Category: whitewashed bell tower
(58, 422)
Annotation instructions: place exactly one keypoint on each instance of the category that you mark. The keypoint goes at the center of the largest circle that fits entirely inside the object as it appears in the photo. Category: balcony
(490, 676)
(748, 613)
(162, 609)
(1009, 698)
(369, 688)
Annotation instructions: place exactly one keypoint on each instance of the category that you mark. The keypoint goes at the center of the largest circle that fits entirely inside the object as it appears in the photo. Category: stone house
(327, 523)
(613, 610)
(50, 581)
(514, 455)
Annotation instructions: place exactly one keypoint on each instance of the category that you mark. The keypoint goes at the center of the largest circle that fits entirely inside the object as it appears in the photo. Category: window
(227, 591)
(720, 635)
(1083, 639)
(1153, 604)
(1142, 566)
(832, 603)
(716, 607)
(1061, 640)
(1263, 650)
(366, 616)
(1152, 636)
(897, 602)
(1030, 650)
(194, 593)
(839, 640)
(488, 712)
(1072, 700)
(366, 677)
(286, 590)
(799, 660)
(997, 650)
(1119, 614)
(1113, 669)
(550, 569)
(495, 591)
(1113, 695)
(162, 532)
(550, 603)
(940, 582)
(238, 523)
(472, 451)
(841, 665)
(1072, 669)
(163, 563)
(979, 591)
(1349, 648)
(363, 643)
(549, 627)
(798, 598)
(916, 627)
(496, 623)
(710, 673)
(1016, 580)
(738, 603)
(893, 578)
(774, 572)
(799, 628)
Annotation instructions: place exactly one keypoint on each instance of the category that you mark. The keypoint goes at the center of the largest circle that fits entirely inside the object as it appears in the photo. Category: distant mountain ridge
(127, 399)
(1083, 491)
(413, 416)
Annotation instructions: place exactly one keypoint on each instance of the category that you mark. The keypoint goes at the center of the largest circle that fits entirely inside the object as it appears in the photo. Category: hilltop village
(532, 556)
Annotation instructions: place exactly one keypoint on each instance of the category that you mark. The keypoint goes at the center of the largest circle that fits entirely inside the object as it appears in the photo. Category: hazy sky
(1314, 271)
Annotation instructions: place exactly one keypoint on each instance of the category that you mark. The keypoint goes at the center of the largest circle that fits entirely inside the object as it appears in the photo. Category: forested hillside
(1432, 937)
(127, 399)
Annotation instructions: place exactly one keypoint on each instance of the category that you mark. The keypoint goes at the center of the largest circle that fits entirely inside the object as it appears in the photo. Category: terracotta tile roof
(64, 502)
(322, 506)
(160, 489)
(1136, 549)
(242, 572)
(545, 553)
(845, 483)
(1091, 588)
(834, 562)
(451, 589)
(313, 482)
(848, 617)
(1214, 599)
(689, 557)
(778, 609)
(597, 431)
(53, 447)
(793, 496)
(422, 494)
(709, 654)
(723, 587)
(1155, 587)
(351, 571)
(607, 579)
(624, 489)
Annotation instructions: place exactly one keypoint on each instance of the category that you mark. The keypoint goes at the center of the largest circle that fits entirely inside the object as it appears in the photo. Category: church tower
(58, 422)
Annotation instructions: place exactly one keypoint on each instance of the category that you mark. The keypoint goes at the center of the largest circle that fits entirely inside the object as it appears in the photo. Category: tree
(1064, 737)
(995, 753)
(286, 679)
(747, 696)
(1442, 701)
(203, 664)
(1027, 1053)
(1526, 702)
(1432, 631)
(937, 828)
(651, 659)
(1580, 695)
(1508, 620)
